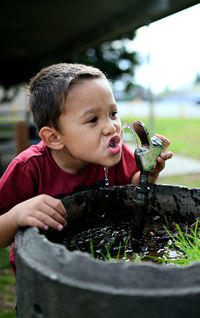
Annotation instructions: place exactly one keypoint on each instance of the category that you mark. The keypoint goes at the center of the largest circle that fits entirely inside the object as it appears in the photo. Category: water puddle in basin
(112, 233)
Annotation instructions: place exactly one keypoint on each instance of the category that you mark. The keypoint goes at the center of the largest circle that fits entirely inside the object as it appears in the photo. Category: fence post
(22, 136)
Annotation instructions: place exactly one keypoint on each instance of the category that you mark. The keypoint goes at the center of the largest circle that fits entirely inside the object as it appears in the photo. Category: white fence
(159, 109)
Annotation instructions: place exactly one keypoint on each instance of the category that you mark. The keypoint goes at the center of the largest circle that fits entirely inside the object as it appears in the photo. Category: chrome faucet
(150, 149)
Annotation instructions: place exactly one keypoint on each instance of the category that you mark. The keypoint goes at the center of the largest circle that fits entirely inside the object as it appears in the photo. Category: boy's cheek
(114, 161)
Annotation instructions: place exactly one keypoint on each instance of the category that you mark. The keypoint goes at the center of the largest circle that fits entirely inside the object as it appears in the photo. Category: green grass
(185, 141)
(7, 286)
(190, 181)
(107, 256)
(7, 314)
(186, 245)
(183, 133)
(4, 258)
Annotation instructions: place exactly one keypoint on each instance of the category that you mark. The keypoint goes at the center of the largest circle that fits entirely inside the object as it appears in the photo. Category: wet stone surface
(112, 233)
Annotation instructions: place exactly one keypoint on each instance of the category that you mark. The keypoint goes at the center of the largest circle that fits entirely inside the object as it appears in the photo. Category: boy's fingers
(46, 212)
(43, 220)
(166, 140)
(32, 221)
(166, 155)
(42, 211)
(161, 160)
(57, 205)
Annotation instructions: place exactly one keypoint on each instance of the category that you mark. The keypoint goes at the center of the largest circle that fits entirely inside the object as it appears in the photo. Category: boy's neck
(67, 163)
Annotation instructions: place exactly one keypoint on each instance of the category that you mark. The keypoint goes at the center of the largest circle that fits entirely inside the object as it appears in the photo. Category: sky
(172, 45)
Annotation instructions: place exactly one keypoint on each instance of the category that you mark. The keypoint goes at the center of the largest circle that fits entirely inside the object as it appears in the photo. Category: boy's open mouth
(114, 144)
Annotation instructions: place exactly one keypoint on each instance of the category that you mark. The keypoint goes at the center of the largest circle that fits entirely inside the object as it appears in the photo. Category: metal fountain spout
(145, 156)
(150, 149)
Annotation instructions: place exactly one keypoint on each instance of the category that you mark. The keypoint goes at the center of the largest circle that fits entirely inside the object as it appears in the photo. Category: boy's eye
(92, 120)
(113, 114)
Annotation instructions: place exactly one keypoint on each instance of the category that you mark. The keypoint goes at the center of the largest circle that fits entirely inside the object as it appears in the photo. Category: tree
(115, 59)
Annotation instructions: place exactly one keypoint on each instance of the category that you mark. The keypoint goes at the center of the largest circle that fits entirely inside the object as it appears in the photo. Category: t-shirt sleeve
(16, 185)
(127, 166)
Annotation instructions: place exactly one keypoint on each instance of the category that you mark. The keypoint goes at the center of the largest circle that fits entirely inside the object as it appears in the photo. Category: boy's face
(90, 126)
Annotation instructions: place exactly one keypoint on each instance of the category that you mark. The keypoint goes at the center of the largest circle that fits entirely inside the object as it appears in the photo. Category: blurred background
(150, 52)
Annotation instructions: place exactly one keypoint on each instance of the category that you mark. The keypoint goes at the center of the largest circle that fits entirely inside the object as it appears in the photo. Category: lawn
(190, 181)
(183, 133)
(7, 287)
(185, 141)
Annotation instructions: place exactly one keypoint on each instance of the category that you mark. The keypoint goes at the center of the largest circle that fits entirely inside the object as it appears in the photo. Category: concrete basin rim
(173, 291)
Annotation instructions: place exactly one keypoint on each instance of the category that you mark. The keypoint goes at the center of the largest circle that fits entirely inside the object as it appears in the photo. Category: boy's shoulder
(37, 150)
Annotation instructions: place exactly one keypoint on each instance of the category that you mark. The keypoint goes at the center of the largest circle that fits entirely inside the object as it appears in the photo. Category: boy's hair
(49, 88)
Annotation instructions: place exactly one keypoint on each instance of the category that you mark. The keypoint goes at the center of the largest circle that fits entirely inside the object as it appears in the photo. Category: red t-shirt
(34, 172)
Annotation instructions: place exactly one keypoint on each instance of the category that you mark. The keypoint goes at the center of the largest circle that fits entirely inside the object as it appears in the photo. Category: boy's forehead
(89, 95)
(88, 87)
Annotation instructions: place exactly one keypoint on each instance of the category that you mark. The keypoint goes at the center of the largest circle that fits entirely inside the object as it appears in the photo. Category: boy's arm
(8, 229)
(42, 211)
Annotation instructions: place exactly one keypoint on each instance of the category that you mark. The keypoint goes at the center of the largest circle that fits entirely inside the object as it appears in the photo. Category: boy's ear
(50, 137)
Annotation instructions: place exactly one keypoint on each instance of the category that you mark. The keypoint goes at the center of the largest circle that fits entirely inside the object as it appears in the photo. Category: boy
(75, 112)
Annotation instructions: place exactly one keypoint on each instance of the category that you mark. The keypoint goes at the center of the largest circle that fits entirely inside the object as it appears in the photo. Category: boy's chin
(113, 162)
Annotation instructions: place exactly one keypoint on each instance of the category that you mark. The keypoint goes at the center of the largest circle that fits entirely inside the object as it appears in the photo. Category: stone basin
(55, 282)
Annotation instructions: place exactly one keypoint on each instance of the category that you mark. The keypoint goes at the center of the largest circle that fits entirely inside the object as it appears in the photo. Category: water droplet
(106, 177)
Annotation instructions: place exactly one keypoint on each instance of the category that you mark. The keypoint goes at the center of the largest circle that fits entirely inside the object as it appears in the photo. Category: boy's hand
(160, 160)
(42, 211)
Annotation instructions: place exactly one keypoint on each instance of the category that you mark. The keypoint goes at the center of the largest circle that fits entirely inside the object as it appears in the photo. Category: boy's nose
(110, 127)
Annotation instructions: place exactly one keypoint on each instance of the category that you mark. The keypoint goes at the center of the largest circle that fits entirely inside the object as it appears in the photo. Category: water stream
(106, 177)
(127, 125)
